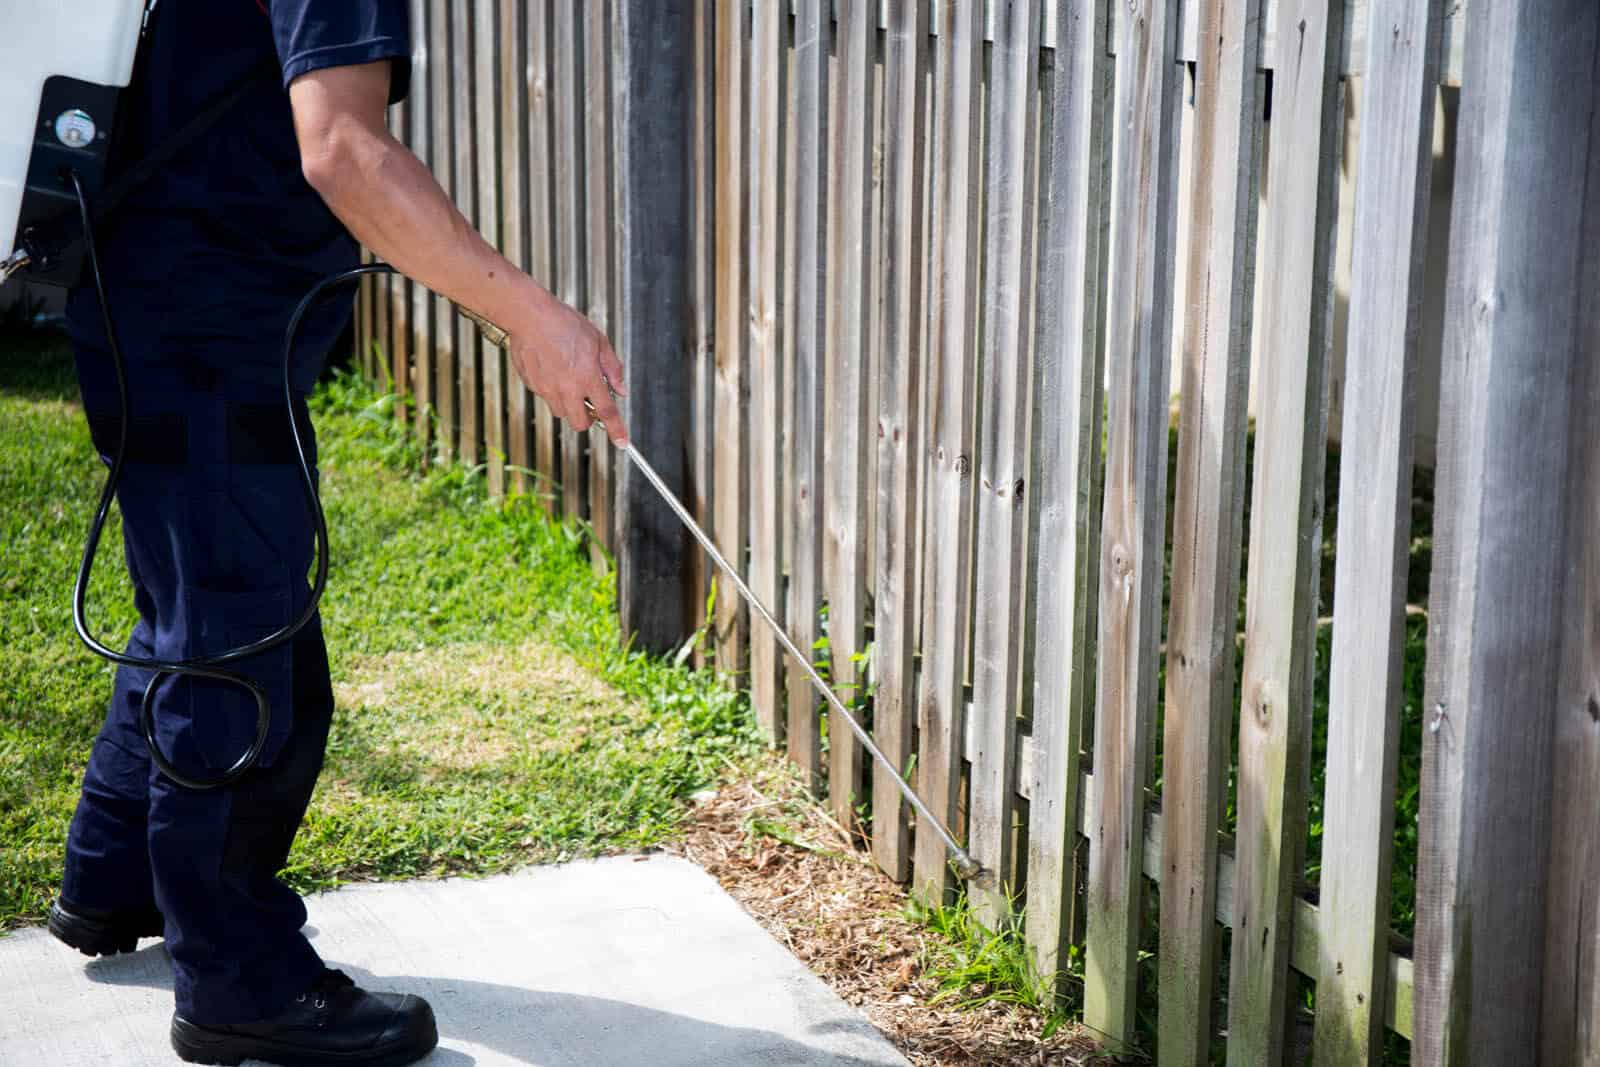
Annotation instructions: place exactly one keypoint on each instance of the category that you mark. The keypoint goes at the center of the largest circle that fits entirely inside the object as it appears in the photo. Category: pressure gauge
(75, 128)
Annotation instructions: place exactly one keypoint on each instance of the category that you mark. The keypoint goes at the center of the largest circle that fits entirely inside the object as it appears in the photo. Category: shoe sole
(196, 1044)
(89, 936)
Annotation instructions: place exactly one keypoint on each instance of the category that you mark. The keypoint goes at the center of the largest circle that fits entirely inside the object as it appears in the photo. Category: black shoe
(102, 933)
(333, 1022)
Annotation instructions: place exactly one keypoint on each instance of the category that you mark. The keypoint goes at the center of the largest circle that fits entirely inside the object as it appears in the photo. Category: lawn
(489, 714)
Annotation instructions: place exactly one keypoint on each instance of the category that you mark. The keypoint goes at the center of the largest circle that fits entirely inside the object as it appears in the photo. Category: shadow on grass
(37, 365)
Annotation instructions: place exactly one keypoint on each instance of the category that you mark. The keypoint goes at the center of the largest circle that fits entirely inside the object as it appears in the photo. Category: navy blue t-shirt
(212, 253)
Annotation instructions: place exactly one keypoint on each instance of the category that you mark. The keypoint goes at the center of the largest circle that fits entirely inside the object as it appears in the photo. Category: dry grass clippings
(806, 881)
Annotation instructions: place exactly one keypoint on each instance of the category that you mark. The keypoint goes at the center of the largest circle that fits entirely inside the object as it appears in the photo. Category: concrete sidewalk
(615, 961)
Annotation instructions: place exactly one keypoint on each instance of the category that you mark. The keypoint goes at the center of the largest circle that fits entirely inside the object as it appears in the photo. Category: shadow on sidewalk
(540, 1026)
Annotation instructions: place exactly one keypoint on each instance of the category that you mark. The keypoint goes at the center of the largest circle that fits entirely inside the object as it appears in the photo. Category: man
(204, 264)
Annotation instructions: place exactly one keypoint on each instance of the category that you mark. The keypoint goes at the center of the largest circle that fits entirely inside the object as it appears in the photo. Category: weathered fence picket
(813, 36)
(465, 400)
(899, 443)
(485, 120)
(1207, 516)
(398, 352)
(516, 209)
(441, 140)
(1374, 526)
(764, 143)
(1275, 722)
(1002, 462)
(895, 285)
(541, 218)
(728, 481)
(598, 241)
(953, 327)
(422, 302)
(568, 275)
(1138, 328)
(849, 288)
(1066, 457)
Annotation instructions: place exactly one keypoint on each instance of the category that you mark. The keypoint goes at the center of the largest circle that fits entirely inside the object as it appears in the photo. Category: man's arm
(389, 201)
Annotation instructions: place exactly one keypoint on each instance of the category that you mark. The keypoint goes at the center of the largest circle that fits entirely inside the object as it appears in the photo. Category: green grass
(489, 714)
(973, 965)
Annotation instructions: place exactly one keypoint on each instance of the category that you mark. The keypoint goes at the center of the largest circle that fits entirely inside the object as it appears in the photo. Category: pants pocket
(204, 725)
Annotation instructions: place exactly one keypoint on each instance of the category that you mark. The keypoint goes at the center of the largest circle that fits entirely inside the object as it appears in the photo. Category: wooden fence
(906, 291)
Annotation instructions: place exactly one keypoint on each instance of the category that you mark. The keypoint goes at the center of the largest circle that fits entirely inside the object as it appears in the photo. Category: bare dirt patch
(802, 877)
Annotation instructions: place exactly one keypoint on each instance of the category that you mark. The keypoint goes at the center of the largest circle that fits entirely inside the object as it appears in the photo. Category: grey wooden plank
(1506, 579)
(567, 162)
(653, 68)
(789, 516)
(899, 441)
(1002, 453)
(598, 200)
(1138, 325)
(515, 208)
(442, 141)
(1395, 157)
(813, 41)
(1066, 441)
(541, 220)
(1571, 996)
(467, 403)
(361, 322)
(1208, 517)
(487, 101)
(702, 264)
(385, 354)
(765, 239)
(845, 371)
(423, 303)
(946, 597)
(729, 472)
(1286, 527)
(400, 294)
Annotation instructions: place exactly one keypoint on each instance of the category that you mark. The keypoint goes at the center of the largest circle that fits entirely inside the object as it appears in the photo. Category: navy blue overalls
(204, 265)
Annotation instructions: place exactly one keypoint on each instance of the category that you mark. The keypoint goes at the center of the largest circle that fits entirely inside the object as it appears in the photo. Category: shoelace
(331, 982)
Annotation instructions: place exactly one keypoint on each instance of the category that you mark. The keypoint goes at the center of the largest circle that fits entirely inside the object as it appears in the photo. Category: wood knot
(963, 466)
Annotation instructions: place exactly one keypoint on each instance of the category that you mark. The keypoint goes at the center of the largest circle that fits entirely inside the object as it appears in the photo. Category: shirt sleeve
(314, 35)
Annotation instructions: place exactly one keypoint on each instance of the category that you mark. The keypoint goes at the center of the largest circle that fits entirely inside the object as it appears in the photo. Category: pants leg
(108, 862)
(218, 538)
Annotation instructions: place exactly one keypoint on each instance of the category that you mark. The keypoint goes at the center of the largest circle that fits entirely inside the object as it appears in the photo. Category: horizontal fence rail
(1020, 354)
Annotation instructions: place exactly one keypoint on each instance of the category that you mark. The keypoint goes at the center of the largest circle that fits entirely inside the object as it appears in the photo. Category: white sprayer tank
(92, 40)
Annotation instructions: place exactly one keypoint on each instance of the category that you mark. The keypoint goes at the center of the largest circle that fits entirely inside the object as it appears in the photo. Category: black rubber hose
(201, 666)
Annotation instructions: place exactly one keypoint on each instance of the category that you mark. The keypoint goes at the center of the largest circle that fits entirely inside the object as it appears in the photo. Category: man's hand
(566, 360)
(389, 201)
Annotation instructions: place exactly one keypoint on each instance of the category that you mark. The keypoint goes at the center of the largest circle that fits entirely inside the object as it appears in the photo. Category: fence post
(652, 142)
(1504, 588)
(1571, 952)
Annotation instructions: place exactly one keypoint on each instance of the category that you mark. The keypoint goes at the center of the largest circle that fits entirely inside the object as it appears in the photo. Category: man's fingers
(612, 368)
(605, 410)
(578, 416)
(567, 407)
